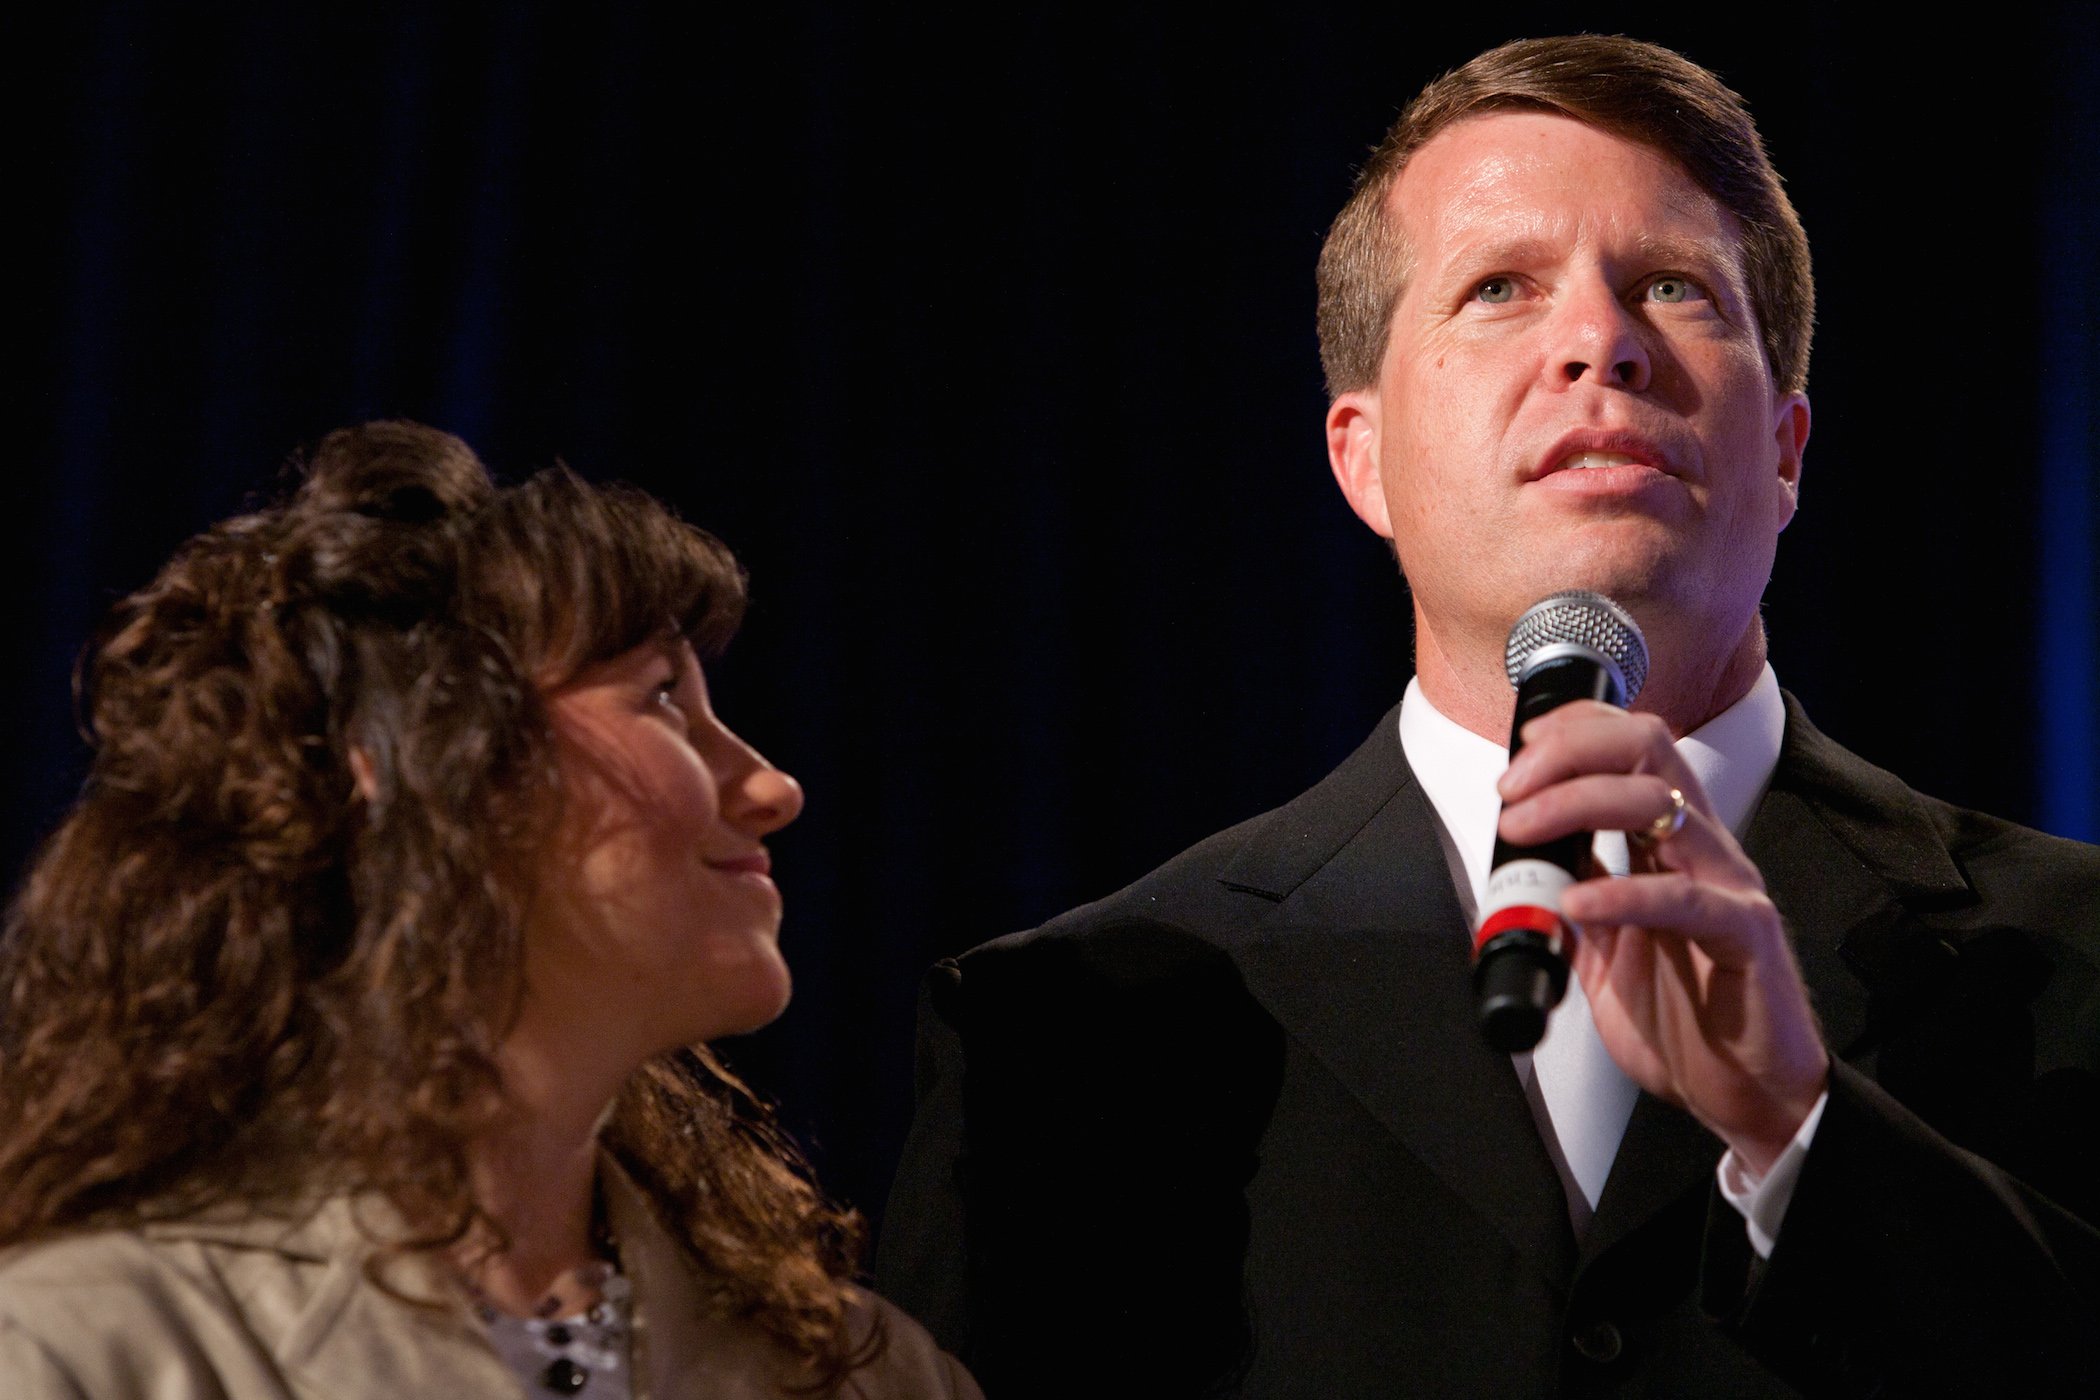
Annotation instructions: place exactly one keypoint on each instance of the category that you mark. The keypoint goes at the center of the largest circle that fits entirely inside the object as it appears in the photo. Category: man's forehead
(1505, 175)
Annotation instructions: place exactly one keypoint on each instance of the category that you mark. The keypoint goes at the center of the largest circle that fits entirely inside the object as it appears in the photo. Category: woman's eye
(1496, 290)
(1674, 289)
(665, 697)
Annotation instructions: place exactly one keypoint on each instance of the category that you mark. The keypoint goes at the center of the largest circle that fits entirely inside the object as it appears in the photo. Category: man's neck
(1688, 682)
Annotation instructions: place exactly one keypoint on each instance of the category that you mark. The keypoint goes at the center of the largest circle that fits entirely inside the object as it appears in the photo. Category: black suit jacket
(1232, 1130)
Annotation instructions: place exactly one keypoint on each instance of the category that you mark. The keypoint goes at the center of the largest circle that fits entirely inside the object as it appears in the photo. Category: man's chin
(1632, 578)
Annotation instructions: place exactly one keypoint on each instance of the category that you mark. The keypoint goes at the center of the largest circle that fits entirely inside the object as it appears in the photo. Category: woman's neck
(535, 1176)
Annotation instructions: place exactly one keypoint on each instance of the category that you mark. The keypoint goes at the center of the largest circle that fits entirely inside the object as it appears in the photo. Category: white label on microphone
(1534, 884)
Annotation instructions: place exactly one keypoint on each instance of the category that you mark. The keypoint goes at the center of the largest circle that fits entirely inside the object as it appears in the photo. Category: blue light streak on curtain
(2067, 684)
(376, 389)
(474, 361)
(97, 298)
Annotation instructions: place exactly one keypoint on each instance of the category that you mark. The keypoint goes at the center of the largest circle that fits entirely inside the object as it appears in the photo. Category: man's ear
(1352, 450)
(1790, 432)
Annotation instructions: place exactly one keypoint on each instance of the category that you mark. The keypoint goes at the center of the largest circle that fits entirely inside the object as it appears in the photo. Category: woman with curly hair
(353, 1022)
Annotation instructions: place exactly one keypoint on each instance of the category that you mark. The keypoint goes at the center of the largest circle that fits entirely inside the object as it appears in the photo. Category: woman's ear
(363, 774)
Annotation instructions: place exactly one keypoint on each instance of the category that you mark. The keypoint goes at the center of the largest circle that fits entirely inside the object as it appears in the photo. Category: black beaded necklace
(564, 1354)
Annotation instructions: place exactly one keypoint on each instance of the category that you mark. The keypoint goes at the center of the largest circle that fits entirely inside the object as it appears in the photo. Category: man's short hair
(1641, 92)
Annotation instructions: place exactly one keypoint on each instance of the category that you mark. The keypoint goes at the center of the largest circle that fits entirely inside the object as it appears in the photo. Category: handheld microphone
(1571, 646)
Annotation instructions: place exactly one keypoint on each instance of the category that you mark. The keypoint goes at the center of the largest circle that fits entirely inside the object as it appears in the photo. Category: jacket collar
(329, 1327)
(1889, 830)
(704, 1354)
(340, 1335)
(1292, 843)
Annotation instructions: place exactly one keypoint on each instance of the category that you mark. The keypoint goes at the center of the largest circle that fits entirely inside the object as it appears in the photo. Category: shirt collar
(1732, 754)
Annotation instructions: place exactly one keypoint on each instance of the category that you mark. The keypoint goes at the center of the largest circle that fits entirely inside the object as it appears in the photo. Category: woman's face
(656, 920)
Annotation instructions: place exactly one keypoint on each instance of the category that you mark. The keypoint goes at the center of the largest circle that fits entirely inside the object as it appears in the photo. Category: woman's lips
(758, 863)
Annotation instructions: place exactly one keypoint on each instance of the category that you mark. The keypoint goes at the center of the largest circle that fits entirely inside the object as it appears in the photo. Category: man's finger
(1599, 802)
(1731, 926)
(1585, 738)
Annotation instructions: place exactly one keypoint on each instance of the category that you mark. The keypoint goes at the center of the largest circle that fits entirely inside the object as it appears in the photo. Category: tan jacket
(273, 1309)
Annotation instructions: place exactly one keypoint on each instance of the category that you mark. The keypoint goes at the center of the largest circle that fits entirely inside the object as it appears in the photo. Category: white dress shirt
(1579, 1095)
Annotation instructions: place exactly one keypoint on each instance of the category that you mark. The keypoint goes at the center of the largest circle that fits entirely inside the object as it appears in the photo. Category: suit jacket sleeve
(1908, 1266)
(1077, 1189)
(1941, 1239)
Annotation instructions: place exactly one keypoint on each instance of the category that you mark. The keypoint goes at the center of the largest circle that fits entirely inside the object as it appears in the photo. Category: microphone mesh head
(1584, 619)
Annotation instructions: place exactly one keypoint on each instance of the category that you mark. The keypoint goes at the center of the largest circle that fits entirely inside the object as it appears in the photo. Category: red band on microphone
(1544, 922)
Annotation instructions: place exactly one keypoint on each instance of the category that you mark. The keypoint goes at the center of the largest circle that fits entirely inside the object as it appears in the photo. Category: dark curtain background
(986, 339)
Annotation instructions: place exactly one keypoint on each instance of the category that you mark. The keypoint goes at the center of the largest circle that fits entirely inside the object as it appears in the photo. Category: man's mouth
(1584, 461)
(1616, 453)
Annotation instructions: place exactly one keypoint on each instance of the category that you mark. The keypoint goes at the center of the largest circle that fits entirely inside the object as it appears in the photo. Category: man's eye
(1674, 289)
(1496, 290)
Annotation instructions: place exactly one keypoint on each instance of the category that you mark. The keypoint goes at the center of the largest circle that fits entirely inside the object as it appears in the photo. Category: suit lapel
(1843, 846)
(1665, 1155)
(1849, 853)
(1364, 962)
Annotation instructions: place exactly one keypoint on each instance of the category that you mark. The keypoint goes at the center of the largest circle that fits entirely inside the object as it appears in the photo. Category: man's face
(1574, 393)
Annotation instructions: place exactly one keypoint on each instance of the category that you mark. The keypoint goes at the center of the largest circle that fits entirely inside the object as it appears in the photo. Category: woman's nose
(763, 799)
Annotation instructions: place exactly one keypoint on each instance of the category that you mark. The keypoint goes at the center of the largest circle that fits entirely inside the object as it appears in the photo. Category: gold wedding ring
(1663, 827)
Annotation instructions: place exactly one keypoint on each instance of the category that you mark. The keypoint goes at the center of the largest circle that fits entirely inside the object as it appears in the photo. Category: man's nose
(1601, 340)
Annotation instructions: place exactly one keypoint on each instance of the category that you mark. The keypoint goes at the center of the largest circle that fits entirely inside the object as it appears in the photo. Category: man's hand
(1685, 961)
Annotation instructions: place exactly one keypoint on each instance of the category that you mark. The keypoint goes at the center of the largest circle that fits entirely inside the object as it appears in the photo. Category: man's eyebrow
(1520, 250)
(1690, 252)
(1513, 250)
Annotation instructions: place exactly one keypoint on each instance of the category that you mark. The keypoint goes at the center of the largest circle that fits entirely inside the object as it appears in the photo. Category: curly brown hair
(241, 972)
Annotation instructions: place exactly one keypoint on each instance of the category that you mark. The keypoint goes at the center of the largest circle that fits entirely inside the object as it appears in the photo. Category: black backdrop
(986, 340)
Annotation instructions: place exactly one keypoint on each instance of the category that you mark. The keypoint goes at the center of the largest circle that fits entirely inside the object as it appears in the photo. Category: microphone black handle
(1520, 961)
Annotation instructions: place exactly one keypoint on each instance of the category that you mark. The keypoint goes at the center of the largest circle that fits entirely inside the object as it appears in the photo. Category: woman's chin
(748, 1000)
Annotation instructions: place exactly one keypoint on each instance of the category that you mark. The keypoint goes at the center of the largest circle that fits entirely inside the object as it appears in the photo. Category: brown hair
(1631, 89)
(229, 978)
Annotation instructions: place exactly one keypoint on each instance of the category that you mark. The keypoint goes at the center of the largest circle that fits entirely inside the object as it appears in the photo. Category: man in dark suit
(1820, 1112)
